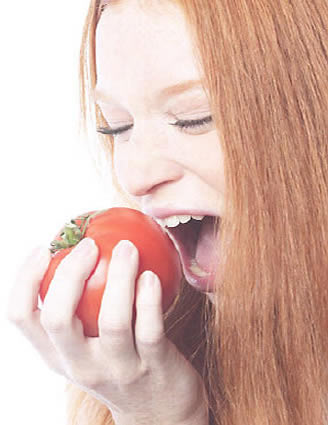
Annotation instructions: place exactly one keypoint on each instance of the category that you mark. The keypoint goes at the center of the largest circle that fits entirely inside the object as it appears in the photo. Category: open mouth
(196, 243)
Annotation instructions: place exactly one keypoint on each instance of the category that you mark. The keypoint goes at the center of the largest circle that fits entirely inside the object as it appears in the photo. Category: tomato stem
(71, 234)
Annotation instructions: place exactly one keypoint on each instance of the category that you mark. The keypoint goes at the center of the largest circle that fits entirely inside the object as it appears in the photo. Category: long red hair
(262, 348)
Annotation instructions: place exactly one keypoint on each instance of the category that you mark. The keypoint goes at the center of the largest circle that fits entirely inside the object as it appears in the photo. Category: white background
(47, 177)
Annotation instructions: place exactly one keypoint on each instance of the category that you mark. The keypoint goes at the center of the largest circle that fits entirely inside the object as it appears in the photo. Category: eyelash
(182, 124)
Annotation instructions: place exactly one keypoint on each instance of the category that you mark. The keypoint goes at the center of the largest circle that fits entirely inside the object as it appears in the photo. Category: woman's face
(147, 80)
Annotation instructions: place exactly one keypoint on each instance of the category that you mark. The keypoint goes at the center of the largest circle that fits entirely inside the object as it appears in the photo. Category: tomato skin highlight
(156, 253)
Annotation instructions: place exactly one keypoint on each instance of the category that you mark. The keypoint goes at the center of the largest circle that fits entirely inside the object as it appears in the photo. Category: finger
(22, 307)
(23, 300)
(151, 341)
(58, 314)
(115, 316)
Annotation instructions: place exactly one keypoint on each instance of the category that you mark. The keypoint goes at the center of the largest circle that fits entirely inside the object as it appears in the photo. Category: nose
(143, 169)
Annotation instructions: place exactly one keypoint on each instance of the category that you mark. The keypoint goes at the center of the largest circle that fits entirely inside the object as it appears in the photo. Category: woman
(216, 107)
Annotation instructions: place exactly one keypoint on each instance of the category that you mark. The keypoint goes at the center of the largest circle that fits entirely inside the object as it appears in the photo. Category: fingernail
(124, 247)
(148, 279)
(85, 245)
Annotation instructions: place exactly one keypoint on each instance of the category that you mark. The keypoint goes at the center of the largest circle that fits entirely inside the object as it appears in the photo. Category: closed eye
(182, 124)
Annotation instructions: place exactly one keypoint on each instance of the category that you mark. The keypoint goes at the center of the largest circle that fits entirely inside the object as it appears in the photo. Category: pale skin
(138, 373)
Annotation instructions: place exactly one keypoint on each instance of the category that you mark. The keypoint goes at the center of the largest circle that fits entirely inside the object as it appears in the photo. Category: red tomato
(156, 253)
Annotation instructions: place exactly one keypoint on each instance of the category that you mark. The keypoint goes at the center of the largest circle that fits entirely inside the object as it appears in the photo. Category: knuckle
(54, 324)
(112, 322)
(16, 319)
(150, 341)
(115, 331)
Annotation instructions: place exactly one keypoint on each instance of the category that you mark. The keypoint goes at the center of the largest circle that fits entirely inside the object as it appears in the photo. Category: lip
(202, 284)
(167, 212)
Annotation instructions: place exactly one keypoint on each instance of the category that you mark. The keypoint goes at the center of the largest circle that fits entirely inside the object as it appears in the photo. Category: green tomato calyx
(72, 233)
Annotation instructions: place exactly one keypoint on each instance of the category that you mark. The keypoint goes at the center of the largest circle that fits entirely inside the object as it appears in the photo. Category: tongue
(205, 251)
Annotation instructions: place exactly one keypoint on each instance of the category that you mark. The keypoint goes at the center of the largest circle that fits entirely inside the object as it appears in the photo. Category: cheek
(121, 165)
(216, 163)
(207, 159)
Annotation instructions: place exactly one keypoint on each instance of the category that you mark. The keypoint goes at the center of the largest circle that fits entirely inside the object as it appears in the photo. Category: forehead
(130, 25)
(138, 45)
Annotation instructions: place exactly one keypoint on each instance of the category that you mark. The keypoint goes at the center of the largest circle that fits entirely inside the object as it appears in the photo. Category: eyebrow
(162, 95)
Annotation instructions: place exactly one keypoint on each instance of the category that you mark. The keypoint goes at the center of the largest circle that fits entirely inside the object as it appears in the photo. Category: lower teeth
(196, 269)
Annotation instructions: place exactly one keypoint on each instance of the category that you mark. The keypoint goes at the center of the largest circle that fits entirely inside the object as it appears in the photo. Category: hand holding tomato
(133, 368)
(107, 228)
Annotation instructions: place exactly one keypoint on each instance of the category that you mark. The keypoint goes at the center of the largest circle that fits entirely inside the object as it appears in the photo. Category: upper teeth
(174, 220)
